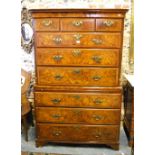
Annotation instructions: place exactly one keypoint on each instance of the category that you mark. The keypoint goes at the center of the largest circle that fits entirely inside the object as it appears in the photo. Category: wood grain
(78, 133)
(77, 115)
(77, 24)
(108, 40)
(78, 64)
(88, 100)
(78, 76)
(116, 24)
(47, 24)
(77, 57)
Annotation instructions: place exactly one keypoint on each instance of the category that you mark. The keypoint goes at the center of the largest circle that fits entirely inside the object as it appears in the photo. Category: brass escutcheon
(98, 134)
(77, 36)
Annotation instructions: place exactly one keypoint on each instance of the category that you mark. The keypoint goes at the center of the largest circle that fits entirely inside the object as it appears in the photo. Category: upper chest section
(78, 19)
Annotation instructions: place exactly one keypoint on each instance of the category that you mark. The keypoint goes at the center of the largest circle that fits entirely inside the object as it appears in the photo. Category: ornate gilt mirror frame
(131, 55)
(27, 38)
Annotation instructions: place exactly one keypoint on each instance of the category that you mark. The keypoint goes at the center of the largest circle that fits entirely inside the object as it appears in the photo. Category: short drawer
(96, 40)
(104, 24)
(78, 133)
(46, 24)
(90, 100)
(77, 115)
(78, 76)
(77, 24)
(77, 57)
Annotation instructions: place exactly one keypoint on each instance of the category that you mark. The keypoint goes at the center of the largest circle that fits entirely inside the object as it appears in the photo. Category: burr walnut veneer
(78, 62)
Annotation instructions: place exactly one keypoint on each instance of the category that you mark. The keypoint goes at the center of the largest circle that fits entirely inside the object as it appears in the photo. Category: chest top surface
(115, 13)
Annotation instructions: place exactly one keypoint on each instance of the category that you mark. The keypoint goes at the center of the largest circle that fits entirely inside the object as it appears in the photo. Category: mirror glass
(27, 33)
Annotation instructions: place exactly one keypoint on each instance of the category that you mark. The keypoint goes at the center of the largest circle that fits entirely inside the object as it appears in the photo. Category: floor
(75, 149)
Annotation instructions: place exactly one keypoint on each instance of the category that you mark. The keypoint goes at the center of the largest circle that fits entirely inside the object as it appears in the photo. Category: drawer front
(78, 76)
(90, 133)
(77, 57)
(46, 24)
(77, 115)
(98, 100)
(109, 24)
(104, 40)
(77, 24)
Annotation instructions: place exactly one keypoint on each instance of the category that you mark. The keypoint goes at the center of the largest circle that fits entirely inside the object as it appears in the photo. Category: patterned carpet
(33, 153)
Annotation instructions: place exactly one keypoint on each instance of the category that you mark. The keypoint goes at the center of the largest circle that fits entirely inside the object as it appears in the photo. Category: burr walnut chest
(78, 62)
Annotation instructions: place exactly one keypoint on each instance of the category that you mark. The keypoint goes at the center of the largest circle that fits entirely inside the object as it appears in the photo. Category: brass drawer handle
(77, 112)
(96, 78)
(77, 71)
(58, 77)
(57, 40)
(56, 100)
(108, 23)
(56, 116)
(56, 133)
(77, 97)
(98, 101)
(76, 52)
(97, 59)
(47, 22)
(57, 57)
(97, 117)
(97, 41)
(77, 23)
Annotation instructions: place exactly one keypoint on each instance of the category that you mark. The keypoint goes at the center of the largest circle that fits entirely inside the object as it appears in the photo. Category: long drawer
(89, 100)
(77, 57)
(77, 115)
(83, 133)
(104, 40)
(78, 76)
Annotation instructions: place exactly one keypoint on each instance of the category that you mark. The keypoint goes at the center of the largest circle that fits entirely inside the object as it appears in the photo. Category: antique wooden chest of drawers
(78, 62)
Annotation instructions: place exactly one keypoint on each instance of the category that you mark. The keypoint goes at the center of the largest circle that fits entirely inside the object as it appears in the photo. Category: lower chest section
(78, 116)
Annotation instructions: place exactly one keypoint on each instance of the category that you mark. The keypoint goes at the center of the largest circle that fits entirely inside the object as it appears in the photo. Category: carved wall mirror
(26, 31)
(131, 55)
